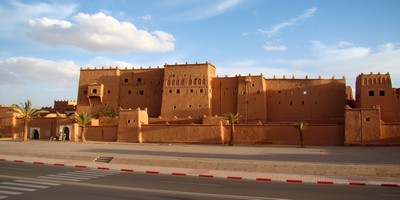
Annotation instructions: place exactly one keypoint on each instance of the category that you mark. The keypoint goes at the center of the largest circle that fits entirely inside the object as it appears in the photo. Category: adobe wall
(244, 134)
(191, 84)
(376, 89)
(7, 122)
(224, 95)
(287, 134)
(204, 134)
(47, 126)
(101, 133)
(315, 100)
(252, 101)
(363, 126)
(390, 133)
(109, 94)
(142, 88)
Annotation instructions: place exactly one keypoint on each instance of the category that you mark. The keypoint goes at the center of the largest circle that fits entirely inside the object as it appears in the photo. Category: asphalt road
(34, 181)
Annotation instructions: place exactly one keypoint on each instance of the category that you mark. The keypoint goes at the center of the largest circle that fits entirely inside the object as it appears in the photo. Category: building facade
(194, 91)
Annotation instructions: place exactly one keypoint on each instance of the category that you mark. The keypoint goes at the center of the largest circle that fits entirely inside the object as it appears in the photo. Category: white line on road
(9, 192)
(19, 189)
(16, 169)
(60, 179)
(69, 177)
(25, 185)
(36, 182)
(188, 183)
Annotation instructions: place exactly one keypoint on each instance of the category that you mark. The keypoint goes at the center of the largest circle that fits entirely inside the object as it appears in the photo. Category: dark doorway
(66, 133)
(35, 134)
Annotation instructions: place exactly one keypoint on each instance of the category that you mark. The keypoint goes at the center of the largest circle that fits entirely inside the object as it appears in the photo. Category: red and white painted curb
(261, 179)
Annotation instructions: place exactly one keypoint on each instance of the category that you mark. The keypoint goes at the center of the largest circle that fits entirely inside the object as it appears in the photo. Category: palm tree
(232, 118)
(83, 120)
(26, 111)
(301, 126)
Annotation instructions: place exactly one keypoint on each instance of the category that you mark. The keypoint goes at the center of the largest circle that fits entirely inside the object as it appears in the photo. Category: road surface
(40, 181)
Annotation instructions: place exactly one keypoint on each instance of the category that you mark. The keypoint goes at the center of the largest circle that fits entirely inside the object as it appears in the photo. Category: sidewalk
(322, 165)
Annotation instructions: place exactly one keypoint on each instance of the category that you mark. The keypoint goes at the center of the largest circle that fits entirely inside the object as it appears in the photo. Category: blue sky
(43, 44)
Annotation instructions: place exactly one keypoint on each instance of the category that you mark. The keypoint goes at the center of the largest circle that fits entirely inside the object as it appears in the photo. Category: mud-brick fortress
(185, 103)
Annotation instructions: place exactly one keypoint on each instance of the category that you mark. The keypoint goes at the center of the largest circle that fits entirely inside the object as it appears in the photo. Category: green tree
(232, 119)
(106, 112)
(83, 119)
(301, 126)
(27, 112)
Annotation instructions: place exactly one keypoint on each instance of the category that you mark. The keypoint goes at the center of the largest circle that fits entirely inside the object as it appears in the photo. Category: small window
(191, 90)
(279, 102)
(190, 106)
(141, 92)
(109, 92)
(126, 80)
(302, 102)
(371, 93)
(170, 91)
(279, 92)
(178, 91)
(252, 85)
(129, 91)
(129, 121)
(201, 90)
(94, 91)
(381, 93)
(258, 91)
(139, 80)
(291, 103)
(367, 119)
(174, 107)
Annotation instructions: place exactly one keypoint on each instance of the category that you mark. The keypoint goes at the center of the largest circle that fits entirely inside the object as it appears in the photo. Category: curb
(297, 181)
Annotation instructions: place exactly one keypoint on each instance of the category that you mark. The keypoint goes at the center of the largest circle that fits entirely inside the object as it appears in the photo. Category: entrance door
(66, 132)
(35, 134)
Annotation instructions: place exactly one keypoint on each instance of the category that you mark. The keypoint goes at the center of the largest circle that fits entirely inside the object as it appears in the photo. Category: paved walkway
(322, 165)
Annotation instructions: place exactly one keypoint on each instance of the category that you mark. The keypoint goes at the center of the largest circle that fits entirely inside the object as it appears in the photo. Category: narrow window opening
(139, 80)
(141, 92)
(382, 93)
(129, 91)
(178, 91)
(126, 80)
(367, 119)
(201, 90)
(170, 91)
(302, 102)
(291, 103)
(371, 93)
(109, 92)
(94, 91)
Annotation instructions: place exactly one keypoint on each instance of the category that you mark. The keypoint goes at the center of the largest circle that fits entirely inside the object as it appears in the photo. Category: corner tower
(187, 90)
(376, 89)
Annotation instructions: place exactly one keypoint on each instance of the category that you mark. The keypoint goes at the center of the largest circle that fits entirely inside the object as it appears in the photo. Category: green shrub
(1, 135)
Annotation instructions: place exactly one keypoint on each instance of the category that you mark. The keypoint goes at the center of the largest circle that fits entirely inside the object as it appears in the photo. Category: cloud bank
(98, 33)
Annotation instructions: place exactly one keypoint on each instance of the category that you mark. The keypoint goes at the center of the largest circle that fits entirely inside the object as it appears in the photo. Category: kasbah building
(185, 103)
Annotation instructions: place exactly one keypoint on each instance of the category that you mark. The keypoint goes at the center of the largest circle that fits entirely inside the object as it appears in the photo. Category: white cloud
(16, 12)
(146, 17)
(344, 44)
(349, 62)
(206, 9)
(387, 47)
(338, 51)
(31, 70)
(275, 29)
(99, 33)
(270, 47)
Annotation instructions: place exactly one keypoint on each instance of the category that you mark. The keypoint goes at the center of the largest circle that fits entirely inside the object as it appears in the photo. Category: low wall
(287, 134)
(101, 133)
(181, 133)
(390, 133)
(244, 134)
